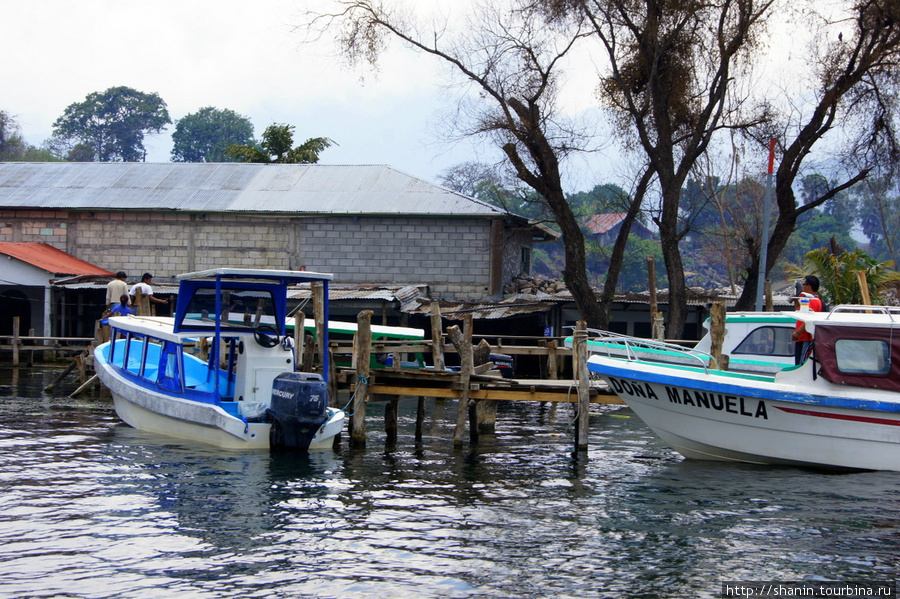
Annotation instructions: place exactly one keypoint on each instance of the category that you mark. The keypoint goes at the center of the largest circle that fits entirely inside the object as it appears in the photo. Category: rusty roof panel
(52, 260)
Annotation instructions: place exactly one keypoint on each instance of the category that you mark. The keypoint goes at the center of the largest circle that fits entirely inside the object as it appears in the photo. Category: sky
(248, 57)
(238, 55)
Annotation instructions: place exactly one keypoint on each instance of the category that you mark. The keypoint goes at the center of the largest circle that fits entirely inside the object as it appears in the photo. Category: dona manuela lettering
(733, 404)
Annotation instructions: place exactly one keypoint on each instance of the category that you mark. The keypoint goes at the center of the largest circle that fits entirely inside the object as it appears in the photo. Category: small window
(767, 341)
(526, 260)
(862, 356)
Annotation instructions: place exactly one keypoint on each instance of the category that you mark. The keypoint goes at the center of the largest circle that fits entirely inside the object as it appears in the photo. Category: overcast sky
(246, 56)
(228, 54)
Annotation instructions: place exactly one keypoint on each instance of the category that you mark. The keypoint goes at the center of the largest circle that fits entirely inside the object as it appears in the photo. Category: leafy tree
(633, 274)
(13, 147)
(879, 203)
(113, 123)
(837, 275)
(205, 135)
(816, 230)
(277, 146)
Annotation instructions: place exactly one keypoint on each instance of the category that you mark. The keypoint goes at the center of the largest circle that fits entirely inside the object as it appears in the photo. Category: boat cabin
(241, 314)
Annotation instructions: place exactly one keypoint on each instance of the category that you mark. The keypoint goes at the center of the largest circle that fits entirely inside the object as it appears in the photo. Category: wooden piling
(319, 299)
(363, 351)
(420, 419)
(464, 348)
(437, 340)
(391, 420)
(717, 333)
(581, 374)
(31, 353)
(15, 341)
(299, 334)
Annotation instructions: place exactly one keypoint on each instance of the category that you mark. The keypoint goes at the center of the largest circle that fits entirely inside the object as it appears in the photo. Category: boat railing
(890, 311)
(617, 345)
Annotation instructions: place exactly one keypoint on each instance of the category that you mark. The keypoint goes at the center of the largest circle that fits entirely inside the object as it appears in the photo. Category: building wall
(459, 258)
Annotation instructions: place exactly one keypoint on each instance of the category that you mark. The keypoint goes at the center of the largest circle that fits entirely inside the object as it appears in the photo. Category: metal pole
(764, 233)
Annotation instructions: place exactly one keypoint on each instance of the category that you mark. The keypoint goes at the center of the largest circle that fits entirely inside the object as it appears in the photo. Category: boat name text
(733, 404)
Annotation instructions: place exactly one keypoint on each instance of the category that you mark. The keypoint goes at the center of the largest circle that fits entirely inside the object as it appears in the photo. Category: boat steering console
(266, 335)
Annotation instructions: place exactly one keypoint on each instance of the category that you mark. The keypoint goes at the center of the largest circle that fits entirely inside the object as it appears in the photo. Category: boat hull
(152, 411)
(753, 419)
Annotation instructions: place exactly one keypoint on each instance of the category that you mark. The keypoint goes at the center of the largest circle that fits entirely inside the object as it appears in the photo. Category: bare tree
(671, 80)
(857, 70)
(513, 59)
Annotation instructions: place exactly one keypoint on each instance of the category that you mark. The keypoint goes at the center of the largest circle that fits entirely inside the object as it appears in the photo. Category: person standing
(144, 287)
(802, 338)
(116, 288)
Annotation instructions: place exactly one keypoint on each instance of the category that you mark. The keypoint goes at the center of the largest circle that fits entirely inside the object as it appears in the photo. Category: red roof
(601, 223)
(51, 259)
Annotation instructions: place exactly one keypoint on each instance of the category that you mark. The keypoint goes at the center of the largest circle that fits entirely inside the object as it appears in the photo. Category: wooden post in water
(319, 299)
(437, 347)
(464, 348)
(299, 334)
(420, 419)
(717, 334)
(657, 332)
(15, 341)
(32, 352)
(391, 418)
(581, 374)
(363, 351)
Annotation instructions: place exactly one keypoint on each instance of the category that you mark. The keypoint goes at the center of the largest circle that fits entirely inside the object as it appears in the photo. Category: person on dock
(122, 308)
(116, 289)
(803, 340)
(144, 287)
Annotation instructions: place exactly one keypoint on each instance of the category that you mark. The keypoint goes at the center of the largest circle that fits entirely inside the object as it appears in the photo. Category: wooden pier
(476, 385)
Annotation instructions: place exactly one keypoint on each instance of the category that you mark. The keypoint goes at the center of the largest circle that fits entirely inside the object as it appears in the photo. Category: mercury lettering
(733, 404)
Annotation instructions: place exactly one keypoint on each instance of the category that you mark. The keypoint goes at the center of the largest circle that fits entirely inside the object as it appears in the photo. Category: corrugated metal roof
(601, 223)
(47, 257)
(227, 187)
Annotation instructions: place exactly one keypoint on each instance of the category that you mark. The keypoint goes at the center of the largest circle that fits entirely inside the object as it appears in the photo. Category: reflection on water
(92, 508)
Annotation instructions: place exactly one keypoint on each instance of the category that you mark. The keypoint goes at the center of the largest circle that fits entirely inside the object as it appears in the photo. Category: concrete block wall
(451, 255)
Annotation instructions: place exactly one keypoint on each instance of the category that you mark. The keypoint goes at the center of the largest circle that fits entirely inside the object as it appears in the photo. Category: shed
(27, 289)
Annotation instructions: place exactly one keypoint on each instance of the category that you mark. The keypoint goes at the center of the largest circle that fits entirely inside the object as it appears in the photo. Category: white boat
(840, 409)
(246, 394)
(754, 342)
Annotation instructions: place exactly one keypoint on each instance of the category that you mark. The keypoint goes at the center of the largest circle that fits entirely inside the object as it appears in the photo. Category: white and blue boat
(839, 409)
(757, 342)
(246, 393)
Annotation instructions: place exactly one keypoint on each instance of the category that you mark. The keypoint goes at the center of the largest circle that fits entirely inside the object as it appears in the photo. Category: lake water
(93, 508)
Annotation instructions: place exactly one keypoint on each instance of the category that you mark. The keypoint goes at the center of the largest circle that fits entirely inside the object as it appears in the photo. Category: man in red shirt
(802, 339)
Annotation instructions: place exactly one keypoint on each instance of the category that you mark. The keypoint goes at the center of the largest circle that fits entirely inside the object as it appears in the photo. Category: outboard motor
(299, 407)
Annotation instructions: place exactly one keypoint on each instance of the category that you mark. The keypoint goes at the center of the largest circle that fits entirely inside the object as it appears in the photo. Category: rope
(362, 383)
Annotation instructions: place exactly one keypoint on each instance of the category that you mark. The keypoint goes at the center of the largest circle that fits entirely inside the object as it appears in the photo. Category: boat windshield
(240, 309)
(767, 341)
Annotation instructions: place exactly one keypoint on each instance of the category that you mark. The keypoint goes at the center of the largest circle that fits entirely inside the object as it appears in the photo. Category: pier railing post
(363, 352)
(581, 374)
